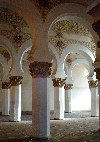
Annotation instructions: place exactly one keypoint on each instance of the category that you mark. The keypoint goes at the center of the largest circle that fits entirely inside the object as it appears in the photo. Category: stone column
(68, 88)
(40, 99)
(15, 98)
(5, 98)
(94, 97)
(98, 77)
(58, 84)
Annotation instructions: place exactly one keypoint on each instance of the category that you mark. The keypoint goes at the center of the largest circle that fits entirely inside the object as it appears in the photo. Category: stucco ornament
(40, 69)
(15, 80)
(93, 83)
(68, 86)
(6, 85)
(65, 32)
(58, 82)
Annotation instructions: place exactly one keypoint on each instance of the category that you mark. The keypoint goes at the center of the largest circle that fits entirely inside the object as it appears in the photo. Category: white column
(40, 99)
(94, 97)
(40, 108)
(58, 102)
(68, 92)
(58, 84)
(94, 102)
(5, 101)
(99, 100)
(15, 103)
(15, 98)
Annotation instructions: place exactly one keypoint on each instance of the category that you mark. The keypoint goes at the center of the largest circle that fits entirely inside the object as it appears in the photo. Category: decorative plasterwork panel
(72, 57)
(12, 18)
(60, 41)
(70, 27)
(5, 53)
(17, 40)
(11, 27)
(61, 44)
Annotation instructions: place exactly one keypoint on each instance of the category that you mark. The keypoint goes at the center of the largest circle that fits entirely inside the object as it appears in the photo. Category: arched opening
(81, 96)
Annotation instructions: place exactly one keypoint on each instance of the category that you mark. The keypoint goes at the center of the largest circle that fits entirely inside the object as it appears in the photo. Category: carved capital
(58, 82)
(6, 85)
(97, 70)
(40, 69)
(15, 80)
(93, 83)
(68, 86)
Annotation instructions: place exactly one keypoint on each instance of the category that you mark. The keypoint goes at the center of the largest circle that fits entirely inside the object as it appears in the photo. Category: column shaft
(94, 102)
(15, 103)
(58, 102)
(99, 101)
(68, 101)
(5, 101)
(40, 108)
(40, 99)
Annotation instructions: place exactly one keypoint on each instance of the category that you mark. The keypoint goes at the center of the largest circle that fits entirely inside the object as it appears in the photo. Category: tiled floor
(68, 130)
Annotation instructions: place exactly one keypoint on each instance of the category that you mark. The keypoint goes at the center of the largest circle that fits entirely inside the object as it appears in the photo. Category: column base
(43, 138)
(57, 119)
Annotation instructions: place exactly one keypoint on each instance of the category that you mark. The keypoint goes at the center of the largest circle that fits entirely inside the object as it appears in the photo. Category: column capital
(68, 86)
(6, 85)
(58, 82)
(97, 70)
(40, 69)
(15, 80)
(93, 83)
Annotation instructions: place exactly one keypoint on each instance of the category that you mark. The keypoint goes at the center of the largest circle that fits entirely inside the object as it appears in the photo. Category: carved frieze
(93, 83)
(68, 86)
(58, 82)
(40, 69)
(15, 80)
(6, 85)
